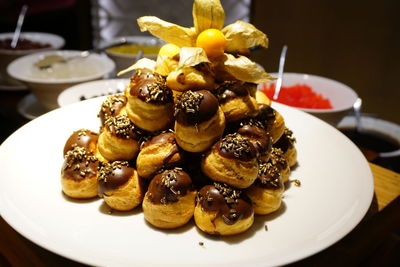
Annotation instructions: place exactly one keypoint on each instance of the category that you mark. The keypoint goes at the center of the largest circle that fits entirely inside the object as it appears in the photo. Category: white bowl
(8, 55)
(341, 96)
(47, 89)
(91, 89)
(124, 60)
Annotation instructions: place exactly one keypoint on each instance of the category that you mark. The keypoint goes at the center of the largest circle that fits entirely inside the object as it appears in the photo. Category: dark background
(354, 42)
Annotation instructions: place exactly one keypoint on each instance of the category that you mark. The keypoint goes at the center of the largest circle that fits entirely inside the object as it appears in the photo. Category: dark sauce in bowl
(371, 143)
(22, 44)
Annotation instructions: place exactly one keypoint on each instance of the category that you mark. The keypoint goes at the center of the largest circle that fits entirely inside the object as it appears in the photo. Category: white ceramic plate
(335, 193)
(91, 89)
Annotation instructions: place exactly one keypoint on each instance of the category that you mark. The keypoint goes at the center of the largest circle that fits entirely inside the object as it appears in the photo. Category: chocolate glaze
(112, 106)
(278, 159)
(269, 177)
(83, 138)
(286, 141)
(167, 137)
(79, 164)
(230, 90)
(266, 115)
(145, 83)
(259, 138)
(168, 186)
(122, 127)
(211, 200)
(248, 155)
(114, 178)
(207, 109)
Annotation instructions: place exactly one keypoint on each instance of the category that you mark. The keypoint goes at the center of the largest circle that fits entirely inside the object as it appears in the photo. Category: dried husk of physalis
(208, 14)
(165, 64)
(143, 63)
(244, 69)
(168, 32)
(192, 56)
(241, 35)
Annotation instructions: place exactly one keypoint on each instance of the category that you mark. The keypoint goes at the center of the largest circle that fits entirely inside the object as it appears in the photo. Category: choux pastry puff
(120, 186)
(232, 160)
(170, 199)
(222, 210)
(190, 78)
(266, 192)
(118, 139)
(199, 120)
(113, 105)
(260, 139)
(150, 102)
(272, 121)
(236, 101)
(79, 173)
(160, 152)
(84, 138)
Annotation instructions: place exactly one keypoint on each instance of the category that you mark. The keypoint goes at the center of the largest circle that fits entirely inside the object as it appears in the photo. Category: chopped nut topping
(230, 195)
(189, 102)
(252, 122)
(168, 177)
(77, 156)
(236, 144)
(296, 182)
(277, 157)
(107, 169)
(158, 92)
(269, 174)
(108, 106)
(121, 126)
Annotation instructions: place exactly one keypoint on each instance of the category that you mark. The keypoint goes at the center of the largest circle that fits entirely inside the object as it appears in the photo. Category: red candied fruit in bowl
(299, 95)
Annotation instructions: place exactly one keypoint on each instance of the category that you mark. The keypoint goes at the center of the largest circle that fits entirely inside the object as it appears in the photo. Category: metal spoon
(357, 113)
(280, 74)
(17, 31)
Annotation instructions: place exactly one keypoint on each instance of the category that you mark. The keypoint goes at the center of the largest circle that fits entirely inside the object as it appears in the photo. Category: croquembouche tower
(191, 137)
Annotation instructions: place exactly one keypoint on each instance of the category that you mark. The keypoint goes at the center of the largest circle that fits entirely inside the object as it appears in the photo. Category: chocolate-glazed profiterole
(170, 199)
(191, 78)
(160, 152)
(266, 192)
(113, 105)
(287, 144)
(119, 139)
(236, 100)
(82, 138)
(272, 121)
(150, 102)
(232, 160)
(120, 186)
(259, 138)
(79, 173)
(223, 210)
(199, 120)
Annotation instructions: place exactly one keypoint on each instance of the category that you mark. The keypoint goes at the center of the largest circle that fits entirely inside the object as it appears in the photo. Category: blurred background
(354, 42)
